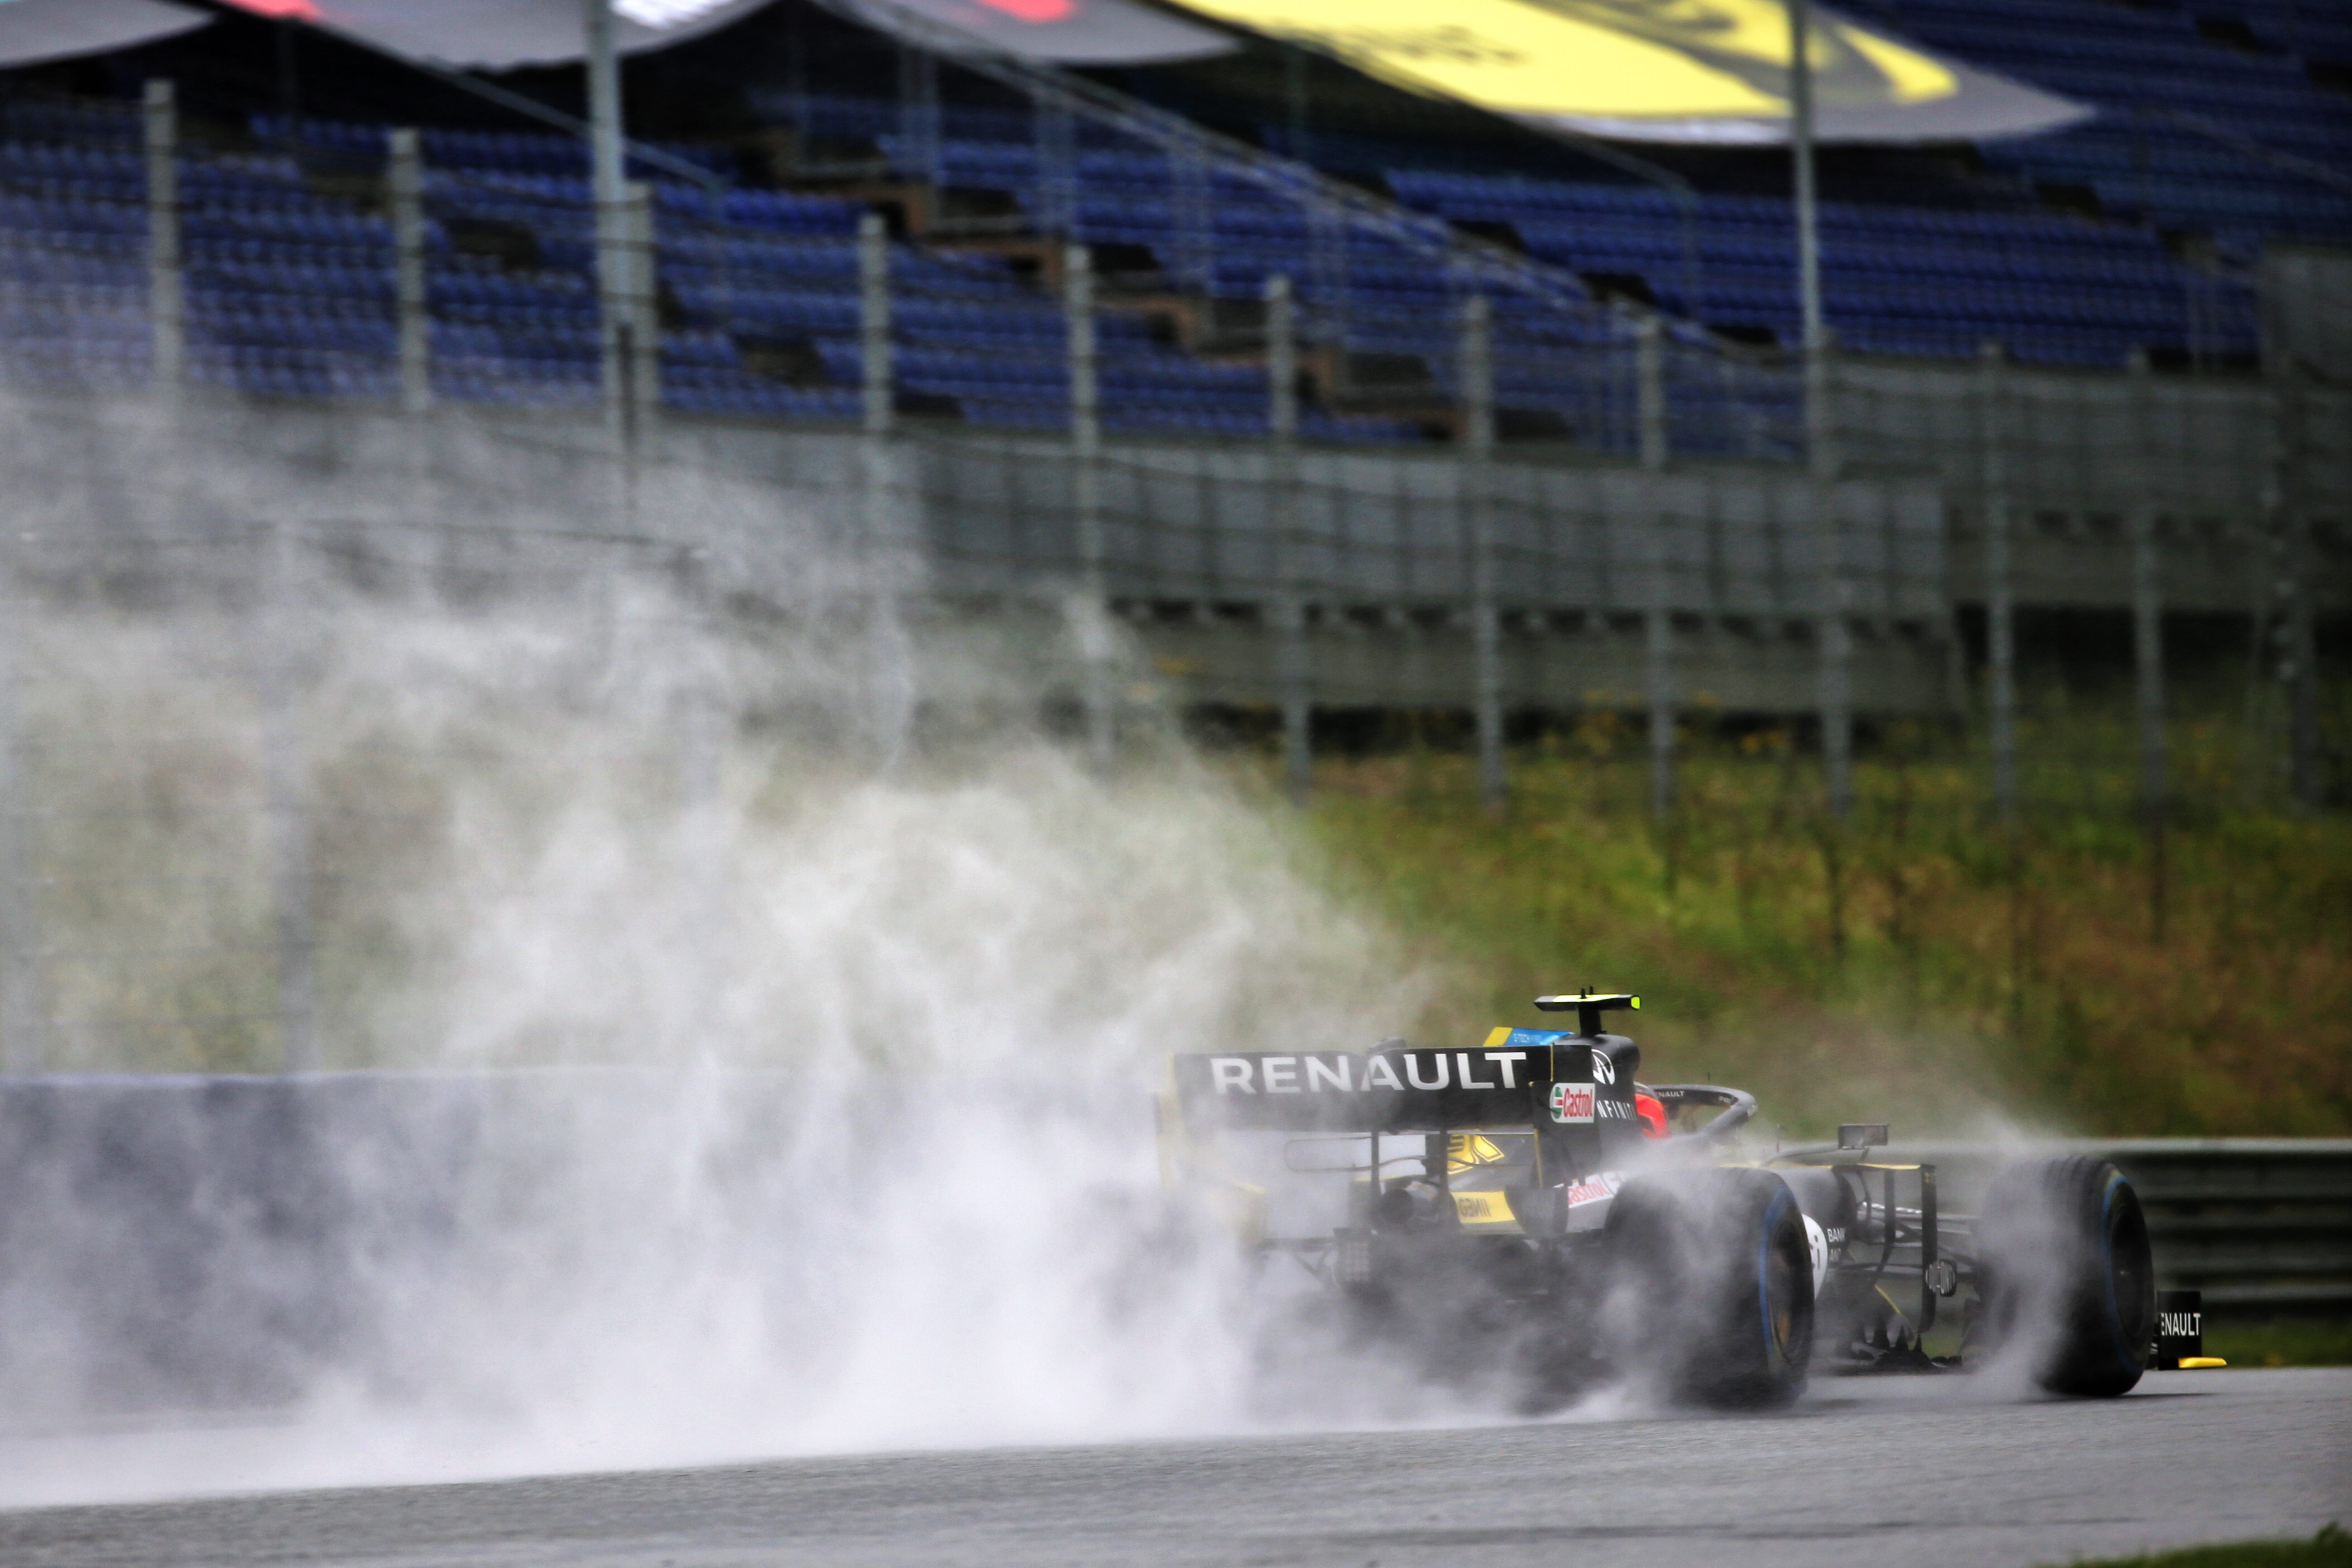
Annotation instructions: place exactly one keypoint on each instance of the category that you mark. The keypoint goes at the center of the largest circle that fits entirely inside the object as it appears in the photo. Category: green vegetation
(2331, 1548)
(2284, 1341)
(2078, 972)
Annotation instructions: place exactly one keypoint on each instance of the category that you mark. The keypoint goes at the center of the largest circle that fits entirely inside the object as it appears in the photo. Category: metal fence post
(406, 189)
(638, 309)
(608, 168)
(887, 690)
(286, 809)
(1650, 387)
(2000, 638)
(1658, 650)
(1057, 162)
(1289, 604)
(2298, 630)
(2148, 602)
(1477, 507)
(873, 330)
(1086, 499)
(1195, 241)
(166, 288)
(1835, 628)
(1657, 617)
(21, 1045)
(1328, 264)
(703, 721)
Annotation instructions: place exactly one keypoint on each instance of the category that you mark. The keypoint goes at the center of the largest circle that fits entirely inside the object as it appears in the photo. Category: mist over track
(1930, 1470)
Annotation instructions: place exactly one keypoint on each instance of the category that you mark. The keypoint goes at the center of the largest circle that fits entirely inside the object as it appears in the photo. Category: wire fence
(1307, 495)
(222, 828)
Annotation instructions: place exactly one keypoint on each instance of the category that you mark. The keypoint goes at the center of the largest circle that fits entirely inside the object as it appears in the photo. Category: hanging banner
(32, 31)
(1658, 71)
(497, 35)
(1064, 32)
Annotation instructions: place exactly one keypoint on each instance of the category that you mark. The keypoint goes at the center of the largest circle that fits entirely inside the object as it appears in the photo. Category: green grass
(2286, 1341)
(2075, 974)
(2331, 1548)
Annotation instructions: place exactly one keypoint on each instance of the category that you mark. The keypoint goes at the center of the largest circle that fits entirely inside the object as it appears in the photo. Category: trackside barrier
(2252, 1221)
(2256, 1223)
(193, 1242)
(171, 1165)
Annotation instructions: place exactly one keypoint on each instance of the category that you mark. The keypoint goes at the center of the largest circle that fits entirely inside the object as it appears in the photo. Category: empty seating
(289, 258)
(2193, 133)
(1894, 279)
(290, 291)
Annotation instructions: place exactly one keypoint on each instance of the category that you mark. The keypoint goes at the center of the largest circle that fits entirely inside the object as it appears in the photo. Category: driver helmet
(1652, 1111)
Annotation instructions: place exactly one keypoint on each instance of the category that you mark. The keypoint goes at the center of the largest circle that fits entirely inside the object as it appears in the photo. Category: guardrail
(2251, 1222)
(2254, 1223)
(190, 1243)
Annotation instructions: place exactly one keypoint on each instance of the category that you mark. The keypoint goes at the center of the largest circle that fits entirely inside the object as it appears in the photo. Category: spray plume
(760, 1011)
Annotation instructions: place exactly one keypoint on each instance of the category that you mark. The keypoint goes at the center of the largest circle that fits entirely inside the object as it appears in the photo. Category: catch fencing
(1513, 502)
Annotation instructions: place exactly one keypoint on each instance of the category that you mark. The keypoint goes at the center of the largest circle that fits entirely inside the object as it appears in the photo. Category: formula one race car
(1529, 1204)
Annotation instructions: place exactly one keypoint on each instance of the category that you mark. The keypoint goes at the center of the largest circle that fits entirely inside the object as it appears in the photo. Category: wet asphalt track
(1910, 1470)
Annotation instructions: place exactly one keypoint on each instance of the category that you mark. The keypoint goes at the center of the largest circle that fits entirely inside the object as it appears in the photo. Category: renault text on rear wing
(1498, 1085)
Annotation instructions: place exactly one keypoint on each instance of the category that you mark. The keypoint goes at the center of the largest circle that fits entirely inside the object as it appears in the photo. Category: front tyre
(2066, 1276)
(1713, 1284)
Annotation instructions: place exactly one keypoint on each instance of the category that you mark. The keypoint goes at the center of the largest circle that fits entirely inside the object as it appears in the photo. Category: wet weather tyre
(1713, 1285)
(2065, 1275)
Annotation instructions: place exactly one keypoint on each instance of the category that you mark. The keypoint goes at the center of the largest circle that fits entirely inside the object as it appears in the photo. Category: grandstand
(1643, 308)
(2214, 122)
(2159, 265)
(2060, 287)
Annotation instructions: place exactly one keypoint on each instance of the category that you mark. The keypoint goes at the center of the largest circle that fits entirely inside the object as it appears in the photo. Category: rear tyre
(1712, 1285)
(2066, 1277)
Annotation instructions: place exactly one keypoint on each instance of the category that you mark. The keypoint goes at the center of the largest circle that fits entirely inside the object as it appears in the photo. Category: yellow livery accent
(2200, 1363)
(1465, 1150)
(1488, 1208)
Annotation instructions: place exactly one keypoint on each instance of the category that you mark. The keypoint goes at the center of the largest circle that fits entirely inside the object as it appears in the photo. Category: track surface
(1911, 1469)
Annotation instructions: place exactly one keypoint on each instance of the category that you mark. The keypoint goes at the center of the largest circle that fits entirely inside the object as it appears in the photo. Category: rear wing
(1500, 1084)
(1575, 1090)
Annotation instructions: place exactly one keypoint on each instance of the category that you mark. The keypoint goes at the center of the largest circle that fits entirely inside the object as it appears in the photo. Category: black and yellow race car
(1529, 1204)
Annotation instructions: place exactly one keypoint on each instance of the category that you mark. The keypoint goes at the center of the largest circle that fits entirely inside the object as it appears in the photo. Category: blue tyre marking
(1773, 1351)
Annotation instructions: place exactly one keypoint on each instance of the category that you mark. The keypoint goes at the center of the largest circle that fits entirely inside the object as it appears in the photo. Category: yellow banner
(1620, 60)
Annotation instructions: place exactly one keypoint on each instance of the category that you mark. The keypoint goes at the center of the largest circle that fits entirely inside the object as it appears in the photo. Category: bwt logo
(1571, 1102)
